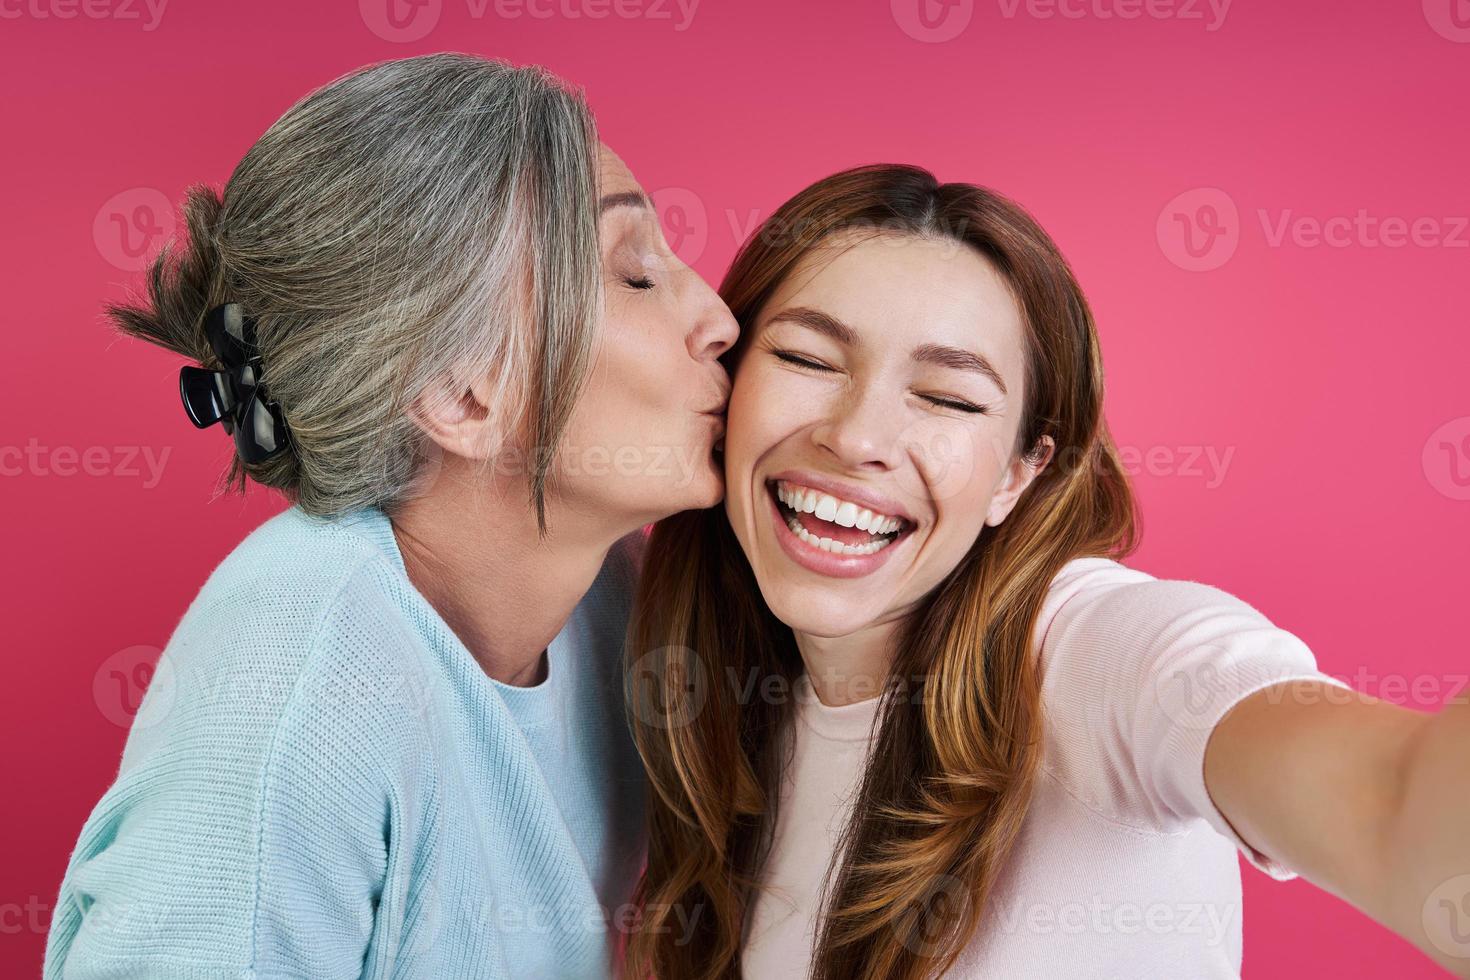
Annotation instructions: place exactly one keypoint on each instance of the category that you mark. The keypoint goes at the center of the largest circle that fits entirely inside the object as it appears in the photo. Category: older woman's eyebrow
(624, 199)
(959, 359)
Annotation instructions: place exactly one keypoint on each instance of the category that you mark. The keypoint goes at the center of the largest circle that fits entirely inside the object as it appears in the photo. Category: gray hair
(414, 220)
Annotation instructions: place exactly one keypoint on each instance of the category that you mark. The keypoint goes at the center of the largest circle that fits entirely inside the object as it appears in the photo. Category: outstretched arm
(1368, 800)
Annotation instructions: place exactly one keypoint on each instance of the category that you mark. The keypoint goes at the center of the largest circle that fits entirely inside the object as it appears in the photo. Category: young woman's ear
(1018, 477)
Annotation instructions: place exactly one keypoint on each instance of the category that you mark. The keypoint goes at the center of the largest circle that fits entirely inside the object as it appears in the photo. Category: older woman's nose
(715, 330)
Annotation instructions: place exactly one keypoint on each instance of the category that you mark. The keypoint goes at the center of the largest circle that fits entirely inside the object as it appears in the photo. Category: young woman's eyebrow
(960, 359)
(938, 354)
(823, 323)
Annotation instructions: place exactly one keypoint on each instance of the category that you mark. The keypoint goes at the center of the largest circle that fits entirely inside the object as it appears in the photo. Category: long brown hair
(958, 741)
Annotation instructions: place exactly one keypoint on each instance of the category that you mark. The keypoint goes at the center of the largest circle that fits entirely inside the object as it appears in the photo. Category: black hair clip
(235, 396)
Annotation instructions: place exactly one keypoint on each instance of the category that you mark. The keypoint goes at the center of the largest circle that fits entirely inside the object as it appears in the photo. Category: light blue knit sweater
(321, 782)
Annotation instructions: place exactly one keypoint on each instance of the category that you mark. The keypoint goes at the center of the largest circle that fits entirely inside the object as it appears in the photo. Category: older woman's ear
(462, 416)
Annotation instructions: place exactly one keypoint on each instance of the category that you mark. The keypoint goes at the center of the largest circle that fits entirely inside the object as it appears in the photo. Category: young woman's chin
(820, 605)
(818, 591)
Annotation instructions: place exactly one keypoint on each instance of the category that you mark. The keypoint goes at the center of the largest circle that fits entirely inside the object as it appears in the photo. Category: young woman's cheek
(788, 404)
(756, 437)
(936, 460)
(965, 479)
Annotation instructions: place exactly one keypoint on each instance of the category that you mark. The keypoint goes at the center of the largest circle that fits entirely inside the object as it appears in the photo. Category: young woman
(907, 714)
(387, 738)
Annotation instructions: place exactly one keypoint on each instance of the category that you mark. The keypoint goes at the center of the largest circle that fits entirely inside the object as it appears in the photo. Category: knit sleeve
(251, 834)
(1137, 675)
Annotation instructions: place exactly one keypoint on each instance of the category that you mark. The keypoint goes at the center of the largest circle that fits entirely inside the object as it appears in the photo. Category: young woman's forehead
(889, 283)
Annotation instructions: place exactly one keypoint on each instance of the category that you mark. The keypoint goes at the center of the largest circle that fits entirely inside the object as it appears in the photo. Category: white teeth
(826, 507)
(803, 500)
(836, 547)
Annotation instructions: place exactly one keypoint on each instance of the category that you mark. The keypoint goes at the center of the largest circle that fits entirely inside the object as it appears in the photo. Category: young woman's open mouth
(831, 529)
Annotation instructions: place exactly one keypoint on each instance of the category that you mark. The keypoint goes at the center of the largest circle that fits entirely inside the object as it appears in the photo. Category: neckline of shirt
(533, 706)
(838, 723)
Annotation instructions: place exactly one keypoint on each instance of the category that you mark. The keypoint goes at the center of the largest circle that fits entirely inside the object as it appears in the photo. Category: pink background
(1327, 380)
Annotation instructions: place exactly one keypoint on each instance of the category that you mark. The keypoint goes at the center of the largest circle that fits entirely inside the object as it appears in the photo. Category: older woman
(387, 738)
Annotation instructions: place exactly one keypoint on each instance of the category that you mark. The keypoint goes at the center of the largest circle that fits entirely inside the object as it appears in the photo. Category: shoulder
(1136, 672)
(298, 626)
(1123, 651)
(1084, 579)
(279, 733)
(1102, 608)
(293, 563)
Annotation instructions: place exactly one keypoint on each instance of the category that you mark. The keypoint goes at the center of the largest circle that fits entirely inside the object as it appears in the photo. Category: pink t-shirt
(1124, 867)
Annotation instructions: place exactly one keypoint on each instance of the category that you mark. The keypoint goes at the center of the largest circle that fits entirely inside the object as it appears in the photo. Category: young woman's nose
(862, 431)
